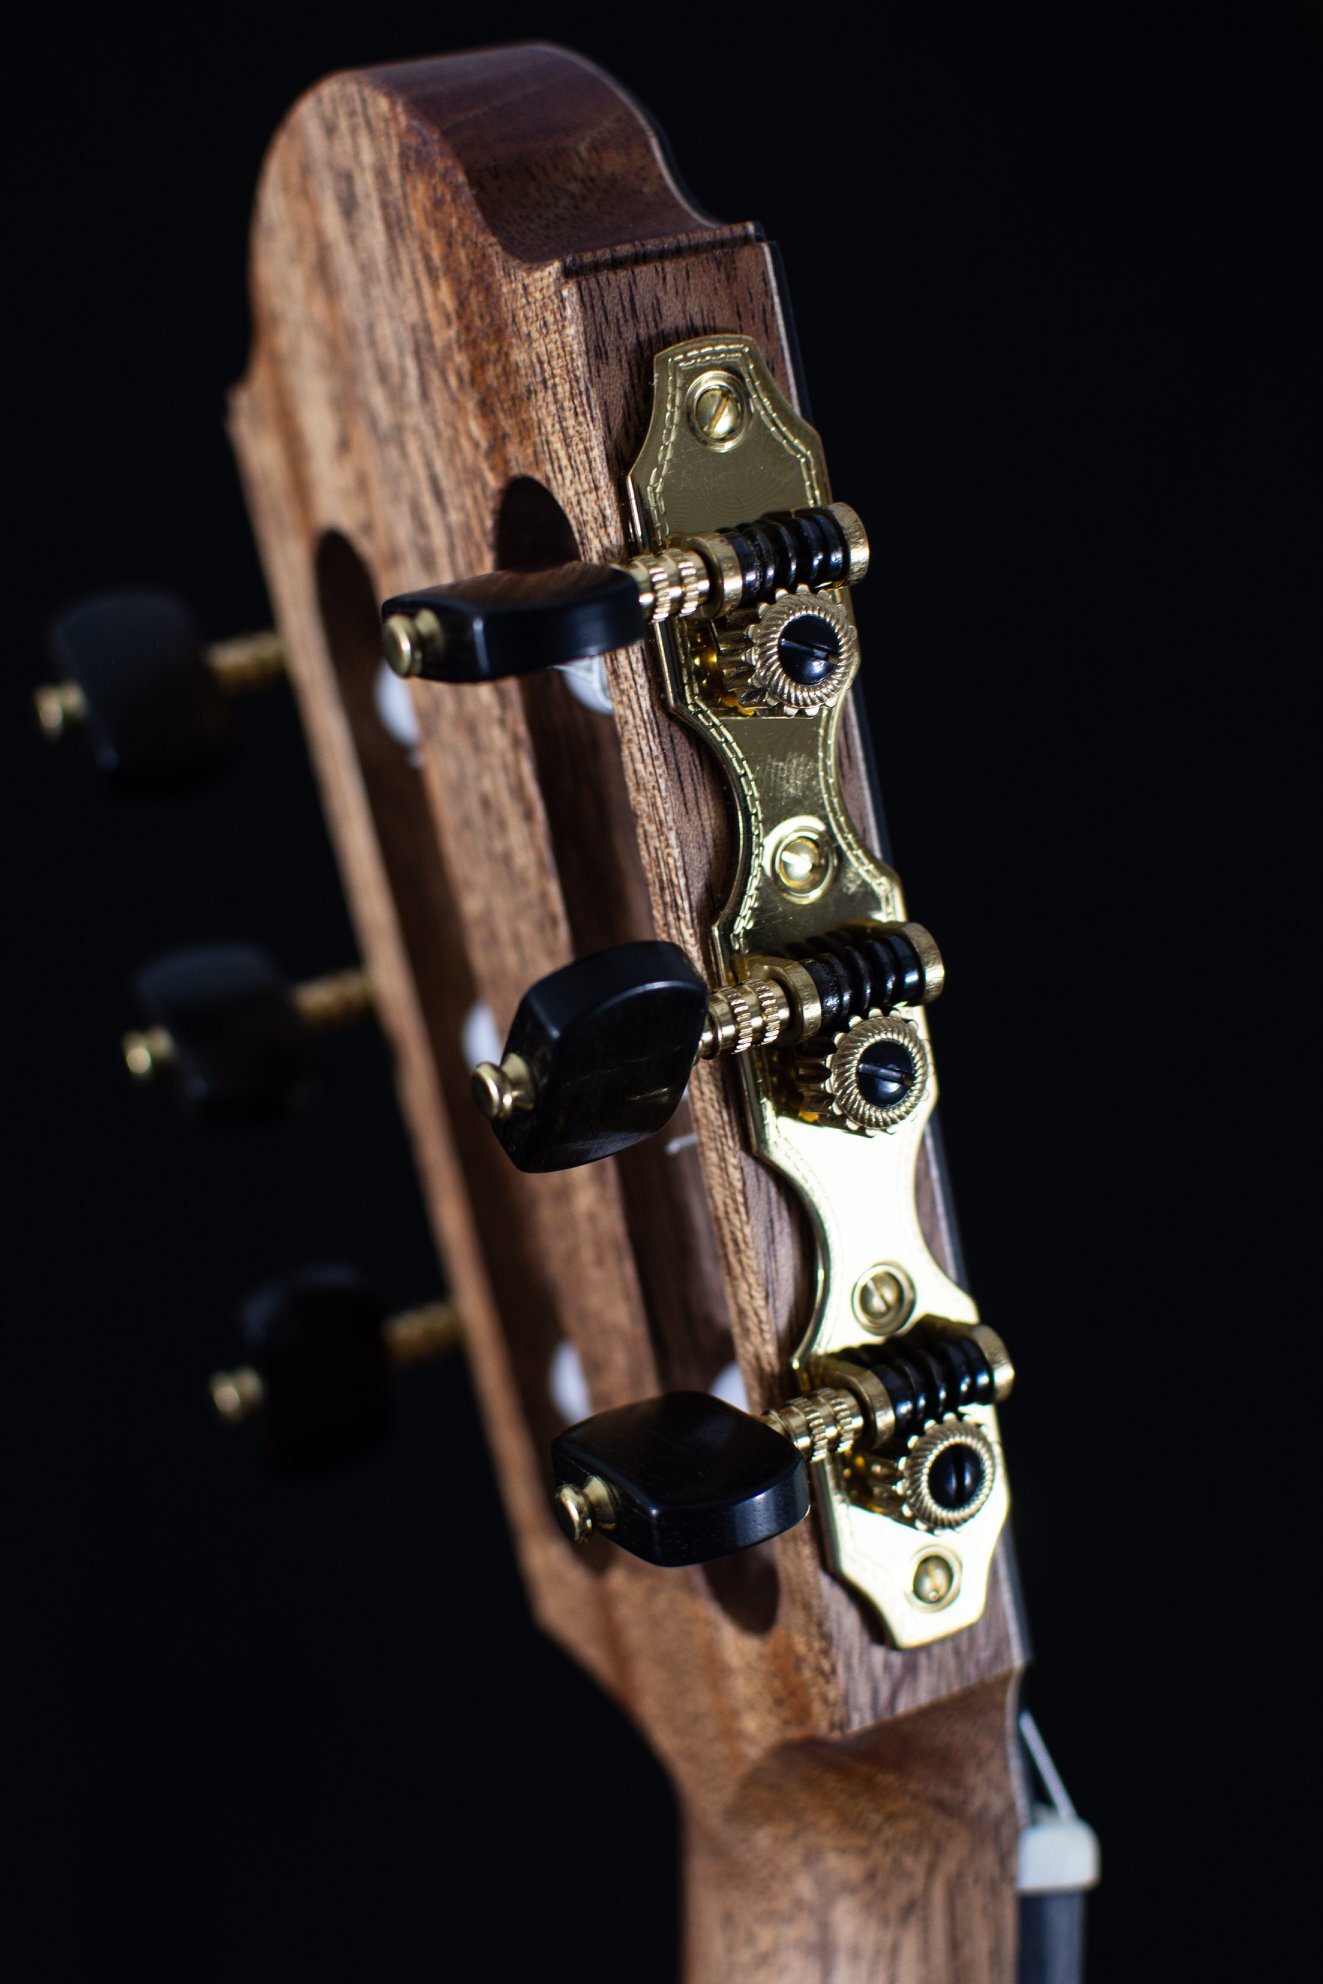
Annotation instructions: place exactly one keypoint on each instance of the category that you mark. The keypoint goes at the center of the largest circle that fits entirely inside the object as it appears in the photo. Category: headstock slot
(429, 930)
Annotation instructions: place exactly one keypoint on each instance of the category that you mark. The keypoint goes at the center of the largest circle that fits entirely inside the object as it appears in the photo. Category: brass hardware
(411, 642)
(883, 1300)
(832, 1087)
(717, 409)
(246, 662)
(934, 970)
(700, 576)
(801, 860)
(415, 1336)
(822, 1422)
(742, 1016)
(147, 1052)
(1003, 1371)
(799, 868)
(60, 706)
(753, 678)
(914, 1473)
(499, 1091)
(237, 1395)
(324, 1004)
(338, 999)
(580, 1511)
(934, 1580)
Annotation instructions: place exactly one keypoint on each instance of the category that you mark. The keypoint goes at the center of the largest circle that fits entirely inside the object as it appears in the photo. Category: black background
(1054, 292)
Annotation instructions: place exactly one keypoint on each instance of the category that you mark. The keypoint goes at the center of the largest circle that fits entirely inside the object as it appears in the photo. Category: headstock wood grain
(463, 271)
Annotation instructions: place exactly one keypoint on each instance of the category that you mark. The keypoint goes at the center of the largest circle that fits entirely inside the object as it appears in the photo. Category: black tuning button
(600, 1052)
(598, 1057)
(318, 1348)
(136, 674)
(511, 623)
(239, 1040)
(316, 1342)
(678, 1479)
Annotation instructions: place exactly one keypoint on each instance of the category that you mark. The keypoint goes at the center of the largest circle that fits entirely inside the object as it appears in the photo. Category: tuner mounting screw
(883, 1300)
(802, 864)
(934, 1581)
(717, 409)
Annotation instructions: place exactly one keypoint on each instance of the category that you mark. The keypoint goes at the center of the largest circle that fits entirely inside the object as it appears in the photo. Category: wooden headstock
(463, 272)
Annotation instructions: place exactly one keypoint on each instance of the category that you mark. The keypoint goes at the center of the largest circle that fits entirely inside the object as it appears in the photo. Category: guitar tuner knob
(872, 1078)
(797, 654)
(686, 1477)
(136, 674)
(514, 623)
(597, 1058)
(319, 1347)
(600, 1052)
(678, 1479)
(238, 1039)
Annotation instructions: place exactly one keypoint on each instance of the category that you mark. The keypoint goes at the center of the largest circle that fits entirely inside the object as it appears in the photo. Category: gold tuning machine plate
(724, 446)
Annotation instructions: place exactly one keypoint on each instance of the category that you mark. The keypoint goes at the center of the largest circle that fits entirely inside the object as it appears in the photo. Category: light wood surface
(461, 271)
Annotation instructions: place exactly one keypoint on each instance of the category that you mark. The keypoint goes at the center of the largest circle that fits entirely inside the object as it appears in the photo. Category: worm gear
(941, 1480)
(796, 655)
(872, 1078)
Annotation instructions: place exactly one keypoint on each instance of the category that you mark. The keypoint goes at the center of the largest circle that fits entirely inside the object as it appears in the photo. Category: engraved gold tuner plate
(724, 447)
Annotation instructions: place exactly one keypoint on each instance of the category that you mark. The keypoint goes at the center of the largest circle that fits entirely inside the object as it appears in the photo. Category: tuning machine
(318, 1350)
(783, 646)
(237, 1039)
(686, 1477)
(600, 1052)
(136, 674)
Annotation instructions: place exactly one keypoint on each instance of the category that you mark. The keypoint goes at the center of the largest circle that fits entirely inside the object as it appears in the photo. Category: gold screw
(410, 643)
(237, 1395)
(572, 1511)
(882, 1301)
(59, 706)
(580, 1511)
(498, 1092)
(146, 1053)
(802, 866)
(717, 409)
(934, 1581)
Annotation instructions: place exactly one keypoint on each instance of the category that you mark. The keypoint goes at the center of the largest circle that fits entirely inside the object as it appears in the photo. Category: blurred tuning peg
(239, 1040)
(599, 1052)
(686, 1477)
(318, 1350)
(135, 672)
(512, 623)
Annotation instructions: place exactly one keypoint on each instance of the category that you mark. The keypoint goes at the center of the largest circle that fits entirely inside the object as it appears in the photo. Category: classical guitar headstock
(522, 421)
